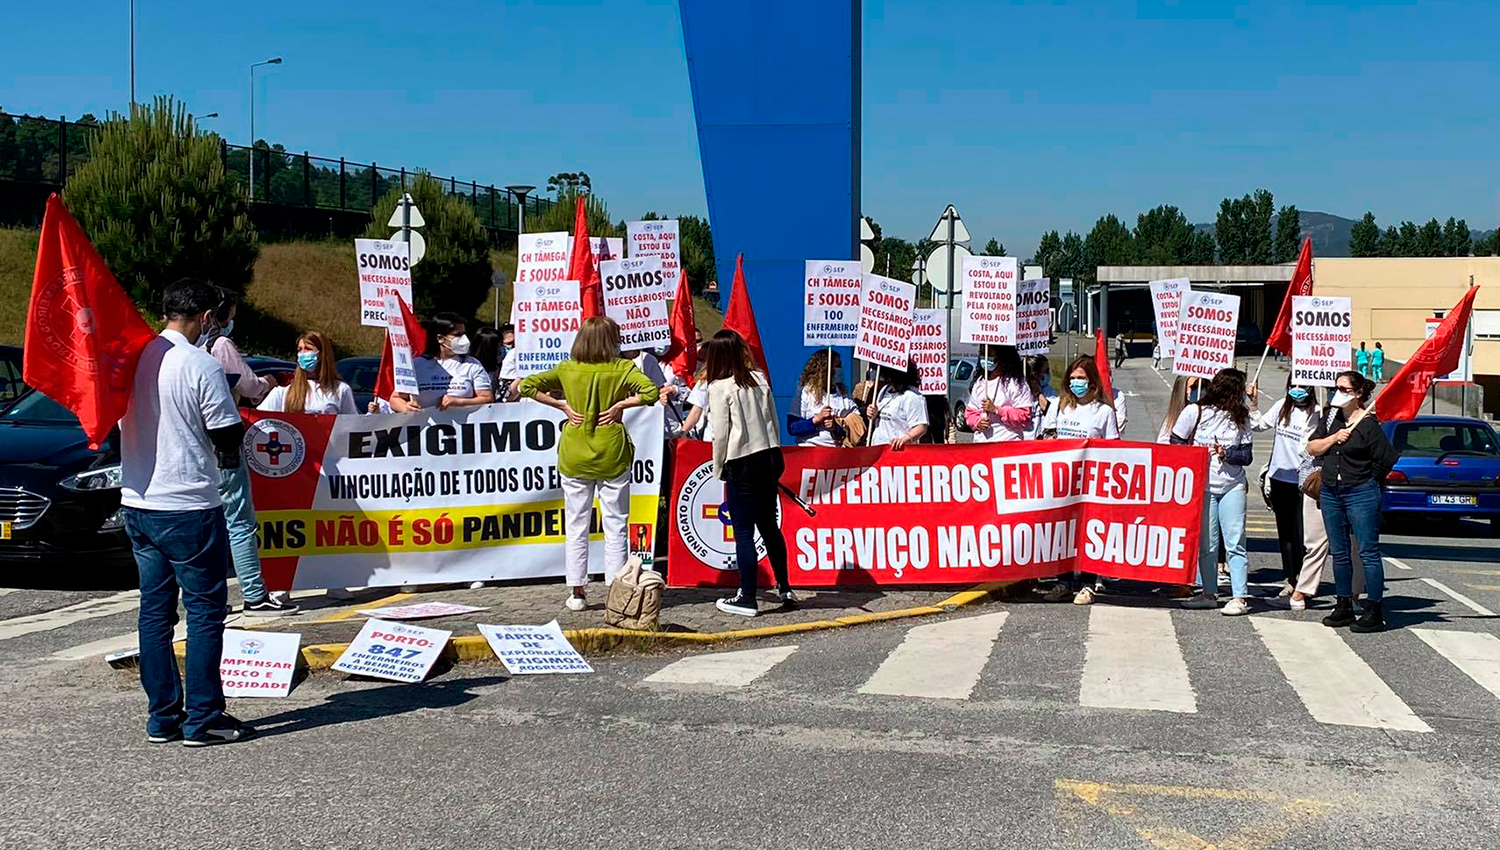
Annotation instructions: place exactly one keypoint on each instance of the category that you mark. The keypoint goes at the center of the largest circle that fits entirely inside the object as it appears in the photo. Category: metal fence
(32, 151)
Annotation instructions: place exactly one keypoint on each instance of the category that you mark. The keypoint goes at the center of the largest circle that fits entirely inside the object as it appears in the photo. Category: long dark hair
(1287, 405)
(1362, 386)
(1036, 366)
(1226, 392)
(901, 380)
(1007, 363)
(441, 324)
(727, 356)
(487, 348)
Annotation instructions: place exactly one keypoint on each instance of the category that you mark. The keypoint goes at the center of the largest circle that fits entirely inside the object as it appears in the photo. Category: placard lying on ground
(258, 664)
(542, 257)
(1206, 332)
(403, 366)
(383, 267)
(395, 651)
(534, 649)
(657, 239)
(929, 349)
(830, 302)
(635, 296)
(1033, 316)
(1322, 339)
(419, 611)
(546, 316)
(958, 513)
(435, 497)
(1166, 302)
(885, 320)
(989, 287)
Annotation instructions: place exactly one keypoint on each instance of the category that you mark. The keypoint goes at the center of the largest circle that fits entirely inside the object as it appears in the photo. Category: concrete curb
(595, 640)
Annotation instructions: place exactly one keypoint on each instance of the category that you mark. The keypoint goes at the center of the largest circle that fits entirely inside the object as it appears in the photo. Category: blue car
(1449, 467)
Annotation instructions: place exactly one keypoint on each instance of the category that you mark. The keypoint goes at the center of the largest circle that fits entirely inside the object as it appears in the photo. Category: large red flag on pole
(416, 336)
(83, 333)
(582, 266)
(1101, 361)
(1280, 337)
(682, 355)
(740, 317)
(1438, 355)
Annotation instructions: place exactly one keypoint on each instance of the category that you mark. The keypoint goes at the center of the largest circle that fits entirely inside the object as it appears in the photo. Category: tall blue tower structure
(776, 92)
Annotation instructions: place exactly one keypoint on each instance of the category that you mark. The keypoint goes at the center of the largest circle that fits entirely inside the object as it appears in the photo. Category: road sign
(937, 267)
(416, 214)
(866, 259)
(865, 232)
(940, 232)
(418, 244)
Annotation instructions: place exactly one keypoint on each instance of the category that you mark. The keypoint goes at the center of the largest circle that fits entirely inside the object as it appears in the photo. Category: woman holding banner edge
(1220, 422)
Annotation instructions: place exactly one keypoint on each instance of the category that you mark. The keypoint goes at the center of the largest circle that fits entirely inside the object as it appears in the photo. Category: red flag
(1101, 361)
(582, 267)
(740, 317)
(1280, 337)
(682, 354)
(416, 335)
(83, 333)
(1438, 355)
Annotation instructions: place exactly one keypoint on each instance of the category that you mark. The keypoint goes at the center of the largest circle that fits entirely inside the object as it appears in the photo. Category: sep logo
(251, 646)
(274, 448)
(1322, 302)
(702, 517)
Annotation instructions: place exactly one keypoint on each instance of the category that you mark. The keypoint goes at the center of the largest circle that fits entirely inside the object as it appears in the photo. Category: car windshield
(1434, 439)
(11, 385)
(37, 408)
(360, 376)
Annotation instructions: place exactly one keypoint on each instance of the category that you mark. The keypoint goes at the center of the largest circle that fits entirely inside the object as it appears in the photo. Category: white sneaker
(1084, 597)
(409, 588)
(475, 585)
(1235, 608)
(1298, 604)
(1200, 601)
(576, 603)
(1286, 589)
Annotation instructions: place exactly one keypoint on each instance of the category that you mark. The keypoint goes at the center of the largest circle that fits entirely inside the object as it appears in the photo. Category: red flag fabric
(385, 379)
(740, 317)
(1439, 355)
(1280, 337)
(83, 333)
(581, 267)
(1101, 361)
(682, 354)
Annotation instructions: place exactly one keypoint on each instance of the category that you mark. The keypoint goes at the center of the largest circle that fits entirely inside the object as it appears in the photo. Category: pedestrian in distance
(593, 388)
(447, 376)
(1082, 412)
(1362, 360)
(1119, 349)
(999, 407)
(1377, 363)
(822, 408)
(179, 431)
(898, 415)
(1299, 521)
(315, 386)
(1220, 422)
(1156, 353)
(1356, 457)
(747, 458)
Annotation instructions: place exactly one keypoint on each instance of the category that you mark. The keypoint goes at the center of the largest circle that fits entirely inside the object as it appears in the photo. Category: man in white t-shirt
(180, 429)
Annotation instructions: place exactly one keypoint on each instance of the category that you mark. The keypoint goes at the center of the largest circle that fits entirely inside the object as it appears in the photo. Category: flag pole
(1256, 379)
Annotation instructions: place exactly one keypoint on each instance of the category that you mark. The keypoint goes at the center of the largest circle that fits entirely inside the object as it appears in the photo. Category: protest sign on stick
(1033, 316)
(1322, 338)
(989, 288)
(1206, 331)
(657, 239)
(635, 296)
(929, 349)
(542, 257)
(885, 321)
(546, 317)
(1166, 303)
(383, 267)
(403, 365)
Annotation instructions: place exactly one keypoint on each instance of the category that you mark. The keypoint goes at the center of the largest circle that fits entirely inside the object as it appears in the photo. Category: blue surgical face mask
(987, 364)
(1078, 386)
(308, 360)
(227, 328)
(1297, 395)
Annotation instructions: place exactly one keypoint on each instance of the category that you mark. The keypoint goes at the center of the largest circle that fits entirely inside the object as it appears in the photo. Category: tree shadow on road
(354, 706)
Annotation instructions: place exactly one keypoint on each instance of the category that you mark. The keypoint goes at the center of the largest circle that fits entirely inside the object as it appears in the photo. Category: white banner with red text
(956, 514)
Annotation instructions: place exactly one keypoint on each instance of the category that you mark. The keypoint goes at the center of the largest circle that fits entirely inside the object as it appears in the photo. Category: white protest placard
(830, 302)
(383, 267)
(403, 366)
(657, 239)
(1166, 301)
(534, 649)
(546, 316)
(542, 257)
(636, 280)
(419, 611)
(258, 664)
(396, 651)
(989, 286)
(1033, 316)
(885, 321)
(1322, 339)
(1206, 329)
(605, 248)
(929, 349)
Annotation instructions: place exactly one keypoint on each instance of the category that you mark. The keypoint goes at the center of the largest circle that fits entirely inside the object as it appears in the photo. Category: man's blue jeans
(239, 513)
(1354, 508)
(186, 551)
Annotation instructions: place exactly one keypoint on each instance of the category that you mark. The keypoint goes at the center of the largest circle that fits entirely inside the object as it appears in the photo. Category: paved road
(1128, 724)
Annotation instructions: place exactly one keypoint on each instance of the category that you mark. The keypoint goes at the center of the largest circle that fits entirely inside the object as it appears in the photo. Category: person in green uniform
(1362, 360)
(1377, 364)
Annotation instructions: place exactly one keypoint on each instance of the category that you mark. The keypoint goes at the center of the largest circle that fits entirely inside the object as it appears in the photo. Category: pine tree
(1288, 234)
(1364, 237)
(455, 272)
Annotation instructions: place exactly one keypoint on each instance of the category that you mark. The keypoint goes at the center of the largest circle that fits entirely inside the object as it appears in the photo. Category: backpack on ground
(634, 600)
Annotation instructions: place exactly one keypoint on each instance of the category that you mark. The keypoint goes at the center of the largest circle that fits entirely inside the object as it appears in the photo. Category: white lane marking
(56, 619)
(724, 669)
(1460, 598)
(1333, 682)
(1134, 661)
(118, 643)
(6, 591)
(1475, 653)
(1400, 565)
(938, 660)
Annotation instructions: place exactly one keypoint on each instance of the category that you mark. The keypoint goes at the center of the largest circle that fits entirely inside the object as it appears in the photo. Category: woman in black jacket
(1355, 456)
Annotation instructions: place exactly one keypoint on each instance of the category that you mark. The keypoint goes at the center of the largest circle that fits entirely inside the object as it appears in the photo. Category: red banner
(957, 514)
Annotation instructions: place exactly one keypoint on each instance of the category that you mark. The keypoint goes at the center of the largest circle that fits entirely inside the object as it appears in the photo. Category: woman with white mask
(447, 377)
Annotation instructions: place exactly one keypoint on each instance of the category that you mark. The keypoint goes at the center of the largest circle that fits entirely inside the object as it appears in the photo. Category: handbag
(1312, 485)
(634, 600)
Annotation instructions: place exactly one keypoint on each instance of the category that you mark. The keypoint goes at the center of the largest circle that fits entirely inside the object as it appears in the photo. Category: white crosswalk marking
(1477, 654)
(1333, 682)
(1460, 598)
(106, 606)
(724, 669)
(938, 660)
(119, 643)
(1134, 661)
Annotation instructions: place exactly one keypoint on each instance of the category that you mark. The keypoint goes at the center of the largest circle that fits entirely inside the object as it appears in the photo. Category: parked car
(1449, 467)
(960, 375)
(279, 371)
(12, 386)
(360, 374)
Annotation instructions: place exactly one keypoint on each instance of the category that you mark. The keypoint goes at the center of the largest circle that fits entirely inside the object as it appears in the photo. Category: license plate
(1452, 500)
(4, 531)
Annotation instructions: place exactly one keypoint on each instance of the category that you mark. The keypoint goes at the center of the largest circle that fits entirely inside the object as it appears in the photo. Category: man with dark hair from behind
(180, 429)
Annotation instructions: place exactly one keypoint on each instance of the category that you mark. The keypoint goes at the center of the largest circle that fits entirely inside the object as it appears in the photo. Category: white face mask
(459, 345)
(1340, 399)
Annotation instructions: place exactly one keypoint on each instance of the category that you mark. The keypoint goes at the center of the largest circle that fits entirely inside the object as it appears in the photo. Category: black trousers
(751, 491)
(1286, 504)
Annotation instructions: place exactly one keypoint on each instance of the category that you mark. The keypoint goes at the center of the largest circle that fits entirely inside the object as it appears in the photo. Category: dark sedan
(1449, 467)
(360, 374)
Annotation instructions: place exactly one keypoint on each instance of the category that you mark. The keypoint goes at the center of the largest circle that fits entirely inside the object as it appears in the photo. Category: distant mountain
(1329, 232)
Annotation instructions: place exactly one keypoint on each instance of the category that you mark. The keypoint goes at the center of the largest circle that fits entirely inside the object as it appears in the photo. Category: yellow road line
(355, 609)
(1484, 586)
(1479, 572)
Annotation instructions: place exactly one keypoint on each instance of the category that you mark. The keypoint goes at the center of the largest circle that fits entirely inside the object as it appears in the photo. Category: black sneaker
(226, 731)
(784, 597)
(269, 607)
(1342, 614)
(737, 604)
(1372, 619)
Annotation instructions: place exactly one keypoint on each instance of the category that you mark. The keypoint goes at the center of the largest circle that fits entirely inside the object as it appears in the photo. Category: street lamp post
(202, 118)
(520, 191)
(273, 61)
(132, 55)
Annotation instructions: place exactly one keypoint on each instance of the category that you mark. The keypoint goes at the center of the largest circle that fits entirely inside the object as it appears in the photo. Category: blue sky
(1028, 116)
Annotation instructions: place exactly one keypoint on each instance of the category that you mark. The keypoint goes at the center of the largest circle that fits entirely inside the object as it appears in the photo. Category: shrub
(455, 272)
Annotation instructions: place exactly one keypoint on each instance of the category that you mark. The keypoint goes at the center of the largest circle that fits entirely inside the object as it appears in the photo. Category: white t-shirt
(899, 413)
(341, 400)
(1080, 421)
(1004, 392)
(1214, 426)
(1122, 412)
(167, 462)
(1038, 417)
(508, 369)
(699, 398)
(460, 377)
(1289, 451)
(808, 407)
